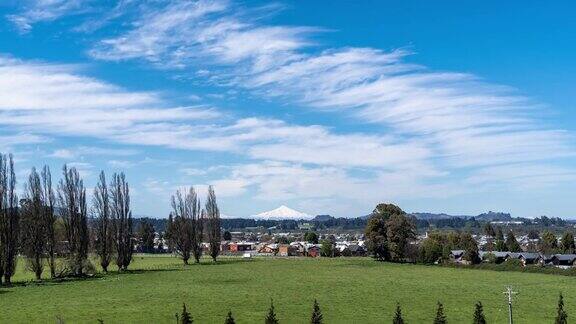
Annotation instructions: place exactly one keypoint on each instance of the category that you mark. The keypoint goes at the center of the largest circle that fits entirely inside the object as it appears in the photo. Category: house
(313, 250)
(545, 259)
(495, 256)
(224, 246)
(287, 250)
(456, 255)
(564, 260)
(529, 258)
(268, 248)
(352, 250)
(240, 246)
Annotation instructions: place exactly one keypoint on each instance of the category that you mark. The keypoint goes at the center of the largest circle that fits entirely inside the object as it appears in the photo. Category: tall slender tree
(398, 316)
(146, 234)
(229, 318)
(511, 243)
(440, 317)
(567, 243)
(479, 314)
(9, 219)
(72, 202)
(180, 226)
(197, 223)
(316, 314)
(104, 229)
(271, 316)
(122, 220)
(33, 225)
(213, 219)
(49, 201)
(561, 316)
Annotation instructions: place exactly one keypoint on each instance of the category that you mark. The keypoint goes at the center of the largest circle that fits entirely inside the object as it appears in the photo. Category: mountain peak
(283, 212)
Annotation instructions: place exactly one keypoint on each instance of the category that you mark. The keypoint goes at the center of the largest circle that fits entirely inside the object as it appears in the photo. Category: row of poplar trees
(189, 223)
(28, 226)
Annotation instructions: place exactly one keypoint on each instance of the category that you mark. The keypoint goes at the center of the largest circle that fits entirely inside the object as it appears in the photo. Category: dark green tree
(561, 317)
(400, 230)
(479, 314)
(316, 314)
(271, 317)
(567, 243)
(377, 231)
(185, 318)
(229, 319)
(489, 230)
(470, 246)
(227, 236)
(311, 237)
(327, 248)
(500, 246)
(398, 315)
(440, 317)
(548, 243)
(146, 235)
(511, 243)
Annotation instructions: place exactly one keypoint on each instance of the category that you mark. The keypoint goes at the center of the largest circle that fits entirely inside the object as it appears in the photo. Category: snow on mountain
(283, 212)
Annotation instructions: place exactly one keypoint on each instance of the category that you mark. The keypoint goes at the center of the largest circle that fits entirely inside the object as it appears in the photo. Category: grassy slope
(349, 291)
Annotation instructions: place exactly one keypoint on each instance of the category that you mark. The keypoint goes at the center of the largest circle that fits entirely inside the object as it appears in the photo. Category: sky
(328, 107)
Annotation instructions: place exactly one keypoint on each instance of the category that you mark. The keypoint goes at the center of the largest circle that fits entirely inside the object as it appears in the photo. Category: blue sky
(326, 106)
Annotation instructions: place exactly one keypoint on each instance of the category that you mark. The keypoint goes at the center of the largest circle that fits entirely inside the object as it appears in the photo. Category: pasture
(349, 290)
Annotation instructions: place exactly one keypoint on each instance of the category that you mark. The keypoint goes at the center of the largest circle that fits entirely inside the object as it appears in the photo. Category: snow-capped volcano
(283, 212)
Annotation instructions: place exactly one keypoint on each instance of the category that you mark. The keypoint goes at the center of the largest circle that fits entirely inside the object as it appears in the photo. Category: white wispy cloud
(34, 11)
(182, 32)
(457, 120)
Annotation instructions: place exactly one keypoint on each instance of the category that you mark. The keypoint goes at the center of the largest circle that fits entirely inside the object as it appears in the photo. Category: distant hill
(494, 216)
(432, 216)
(322, 218)
(489, 216)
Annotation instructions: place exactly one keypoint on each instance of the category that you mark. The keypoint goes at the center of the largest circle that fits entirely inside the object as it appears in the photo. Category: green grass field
(350, 290)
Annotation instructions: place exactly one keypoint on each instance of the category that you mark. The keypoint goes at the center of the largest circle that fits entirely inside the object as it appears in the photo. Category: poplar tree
(104, 227)
(479, 314)
(398, 316)
(9, 219)
(33, 226)
(213, 219)
(122, 220)
(180, 226)
(561, 317)
(72, 203)
(567, 243)
(50, 218)
(440, 317)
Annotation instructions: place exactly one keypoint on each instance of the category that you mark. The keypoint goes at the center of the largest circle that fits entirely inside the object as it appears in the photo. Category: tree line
(58, 226)
(316, 317)
(51, 222)
(391, 233)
